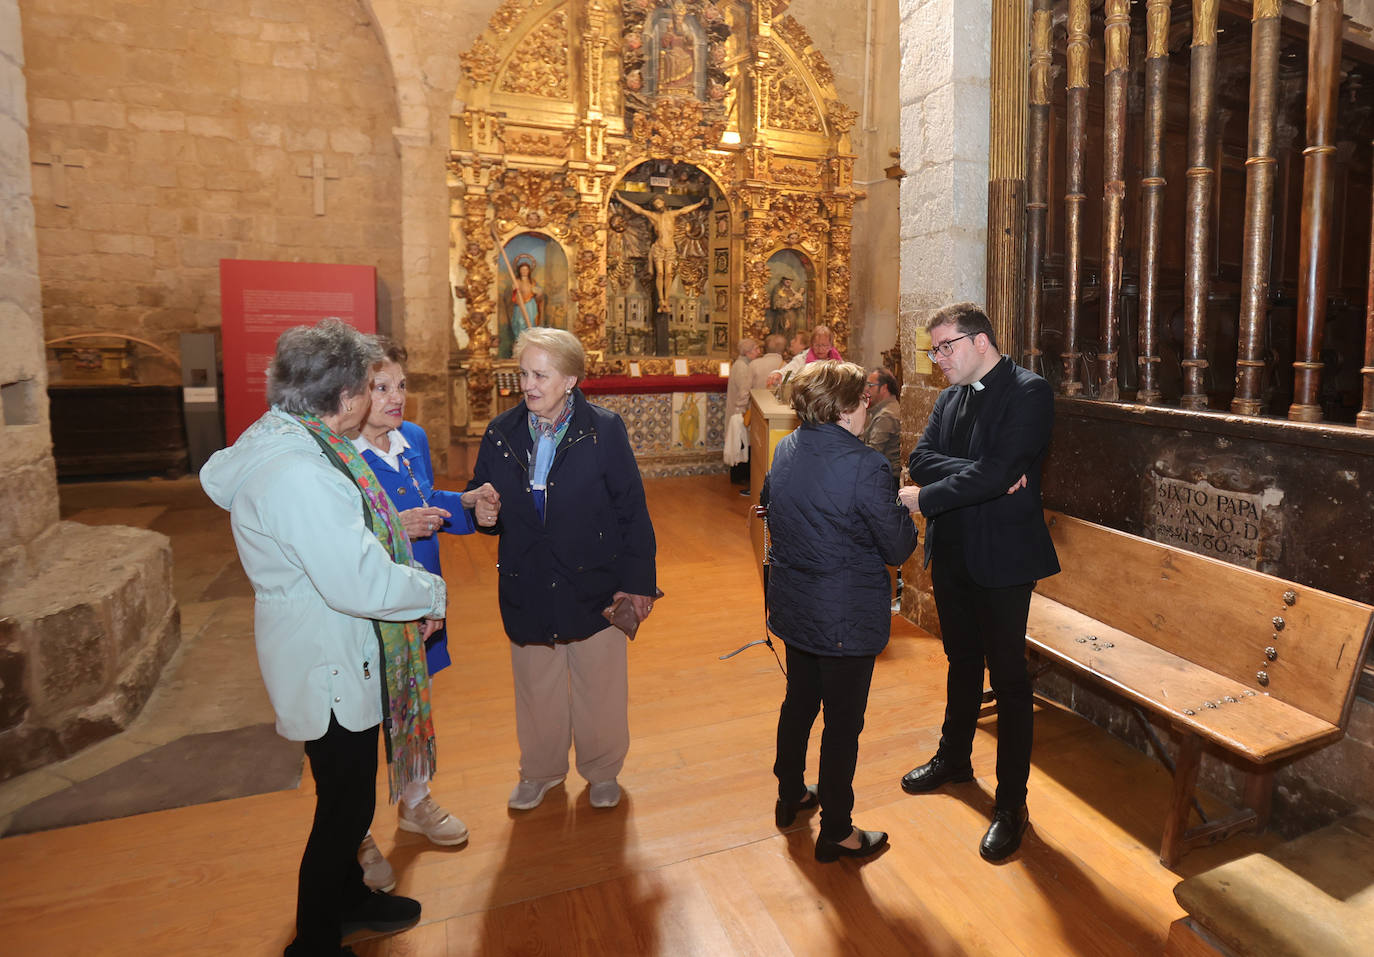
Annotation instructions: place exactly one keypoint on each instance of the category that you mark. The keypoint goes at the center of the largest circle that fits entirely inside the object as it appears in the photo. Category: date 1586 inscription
(1210, 521)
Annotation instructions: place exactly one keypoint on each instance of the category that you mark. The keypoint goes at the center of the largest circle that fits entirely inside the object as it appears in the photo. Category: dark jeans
(344, 765)
(841, 685)
(985, 626)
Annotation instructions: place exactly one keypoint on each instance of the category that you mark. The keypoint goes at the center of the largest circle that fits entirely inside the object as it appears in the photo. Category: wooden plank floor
(690, 862)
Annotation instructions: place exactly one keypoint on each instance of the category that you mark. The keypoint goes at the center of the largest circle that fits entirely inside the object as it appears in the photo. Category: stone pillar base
(83, 641)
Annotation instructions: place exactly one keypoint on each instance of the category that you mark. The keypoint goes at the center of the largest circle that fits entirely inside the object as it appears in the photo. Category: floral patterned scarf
(409, 725)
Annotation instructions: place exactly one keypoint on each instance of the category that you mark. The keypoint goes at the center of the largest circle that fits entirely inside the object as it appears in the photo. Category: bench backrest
(1215, 614)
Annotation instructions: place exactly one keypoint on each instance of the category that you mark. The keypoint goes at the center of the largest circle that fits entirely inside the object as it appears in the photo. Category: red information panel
(260, 299)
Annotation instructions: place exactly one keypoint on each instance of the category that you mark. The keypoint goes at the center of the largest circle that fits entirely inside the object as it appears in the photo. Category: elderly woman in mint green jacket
(340, 614)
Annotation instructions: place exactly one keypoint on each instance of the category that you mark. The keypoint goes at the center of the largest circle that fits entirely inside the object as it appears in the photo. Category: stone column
(946, 58)
(425, 320)
(87, 618)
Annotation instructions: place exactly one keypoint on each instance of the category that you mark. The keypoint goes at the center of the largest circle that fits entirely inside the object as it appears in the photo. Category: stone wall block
(72, 657)
(926, 47)
(27, 747)
(33, 505)
(14, 664)
(136, 684)
(107, 113)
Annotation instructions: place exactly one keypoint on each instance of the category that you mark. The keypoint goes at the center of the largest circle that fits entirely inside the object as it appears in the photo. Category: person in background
(800, 345)
(977, 474)
(835, 525)
(575, 538)
(398, 453)
(340, 615)
(884, 429)
(736, 404)
(769, 362)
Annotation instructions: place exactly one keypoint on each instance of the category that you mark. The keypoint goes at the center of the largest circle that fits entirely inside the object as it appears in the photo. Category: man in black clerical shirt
(977, 474)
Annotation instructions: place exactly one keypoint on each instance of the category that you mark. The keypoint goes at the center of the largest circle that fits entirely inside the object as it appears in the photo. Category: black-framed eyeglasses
(945, 348)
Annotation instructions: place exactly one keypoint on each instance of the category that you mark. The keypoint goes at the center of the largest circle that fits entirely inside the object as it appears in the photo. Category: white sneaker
(528, 794)
(377, 873)
(429, 819)
(605, 793)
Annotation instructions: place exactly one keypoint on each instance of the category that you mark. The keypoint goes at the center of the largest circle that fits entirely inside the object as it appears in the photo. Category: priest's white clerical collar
(978, 386)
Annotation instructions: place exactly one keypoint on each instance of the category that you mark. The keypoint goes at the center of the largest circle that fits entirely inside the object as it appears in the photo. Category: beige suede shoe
(429, 819)
(377, 873)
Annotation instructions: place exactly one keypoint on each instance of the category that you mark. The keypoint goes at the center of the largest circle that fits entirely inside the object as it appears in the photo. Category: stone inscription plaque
(1211, 521)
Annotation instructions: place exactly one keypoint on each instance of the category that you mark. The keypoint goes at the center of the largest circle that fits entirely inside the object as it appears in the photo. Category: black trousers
(841, 685)
(985, 626)
(344, 765)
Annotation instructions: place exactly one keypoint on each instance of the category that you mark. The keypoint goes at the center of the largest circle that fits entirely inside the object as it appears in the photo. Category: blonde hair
(825, 390)
(563, 348)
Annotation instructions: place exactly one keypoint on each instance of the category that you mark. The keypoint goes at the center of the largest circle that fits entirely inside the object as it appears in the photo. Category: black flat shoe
(938, 771)
(381, 914)
(784, 813)
(1004, 836)
(870, 842)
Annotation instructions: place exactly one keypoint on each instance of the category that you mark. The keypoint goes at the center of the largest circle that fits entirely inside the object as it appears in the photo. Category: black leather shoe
(381, 914)
(935, 772)
(784, 812)
(1004, 836)
(870, 842)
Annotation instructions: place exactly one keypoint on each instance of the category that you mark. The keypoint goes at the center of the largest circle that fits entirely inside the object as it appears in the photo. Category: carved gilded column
(840, 210)
(1077, 95)
(1201, 178)
(1261, 165)
(1116, 44)
(1152, 185)
(754, 201)
(1037, 180)
(1318, 188)
(478, 279)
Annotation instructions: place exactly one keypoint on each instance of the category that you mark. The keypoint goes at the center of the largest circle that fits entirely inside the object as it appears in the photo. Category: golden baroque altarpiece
(646, 173)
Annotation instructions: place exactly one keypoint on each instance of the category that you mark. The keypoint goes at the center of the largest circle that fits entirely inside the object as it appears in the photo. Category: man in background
(883, 431)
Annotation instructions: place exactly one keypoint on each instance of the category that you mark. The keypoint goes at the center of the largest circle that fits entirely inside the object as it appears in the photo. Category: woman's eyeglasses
(945, 348)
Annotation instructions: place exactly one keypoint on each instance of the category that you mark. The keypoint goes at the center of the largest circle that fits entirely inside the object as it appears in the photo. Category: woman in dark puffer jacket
(835, 524)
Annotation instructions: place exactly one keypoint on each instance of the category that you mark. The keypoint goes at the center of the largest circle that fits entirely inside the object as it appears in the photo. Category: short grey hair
(315, 365)
(564, 348)
(746, 346)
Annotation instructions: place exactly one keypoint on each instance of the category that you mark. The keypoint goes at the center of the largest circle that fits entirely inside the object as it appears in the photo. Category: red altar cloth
(652, 384)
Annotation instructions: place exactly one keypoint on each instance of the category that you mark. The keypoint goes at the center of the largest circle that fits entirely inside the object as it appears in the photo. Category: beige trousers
(576, 692)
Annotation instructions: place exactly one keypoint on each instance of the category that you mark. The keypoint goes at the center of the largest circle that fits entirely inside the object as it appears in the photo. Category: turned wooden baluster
(1077, 96)
(1261, 167)
(1318, 189)
(1116, 44)
(1037, 180)
(1365, 418)
(1152, 185)
(1201, 177)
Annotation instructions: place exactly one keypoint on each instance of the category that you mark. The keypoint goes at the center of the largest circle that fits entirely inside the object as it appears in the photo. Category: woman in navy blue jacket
(835, 525)
(575, 536)
(398, 453)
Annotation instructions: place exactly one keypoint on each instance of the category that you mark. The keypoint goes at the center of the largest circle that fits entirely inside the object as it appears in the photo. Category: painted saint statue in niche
(533, 289)
(789, 273)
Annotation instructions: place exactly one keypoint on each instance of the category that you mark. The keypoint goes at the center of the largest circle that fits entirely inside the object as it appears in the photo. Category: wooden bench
(1232, 658)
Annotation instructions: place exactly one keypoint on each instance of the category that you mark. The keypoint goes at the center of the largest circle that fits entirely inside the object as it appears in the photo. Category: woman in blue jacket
(398, 453)
(575, 537)
(835, 525)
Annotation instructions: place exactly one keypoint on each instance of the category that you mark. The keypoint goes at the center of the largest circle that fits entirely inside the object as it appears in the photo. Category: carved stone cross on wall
(318, 172)
(59, 165)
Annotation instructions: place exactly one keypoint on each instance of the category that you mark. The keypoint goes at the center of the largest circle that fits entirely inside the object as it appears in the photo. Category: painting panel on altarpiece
(532, 288)
(790, 292)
